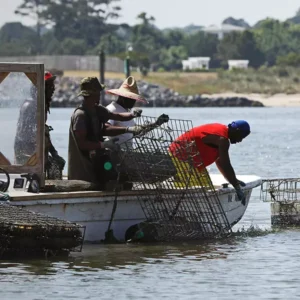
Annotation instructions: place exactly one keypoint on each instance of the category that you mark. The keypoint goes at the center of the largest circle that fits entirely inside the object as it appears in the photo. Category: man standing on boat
(207, 144)
(89, 157)
(25, 141)
(128, 95)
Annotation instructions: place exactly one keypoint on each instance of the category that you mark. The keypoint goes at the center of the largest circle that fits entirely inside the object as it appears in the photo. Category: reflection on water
(226, 269)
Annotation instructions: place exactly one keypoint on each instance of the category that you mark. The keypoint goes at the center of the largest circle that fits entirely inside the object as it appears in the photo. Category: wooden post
(35, 75)
(102, 73)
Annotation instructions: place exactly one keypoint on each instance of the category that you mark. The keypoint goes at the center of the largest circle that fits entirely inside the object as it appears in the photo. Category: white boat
(205, 209)
(93, 209)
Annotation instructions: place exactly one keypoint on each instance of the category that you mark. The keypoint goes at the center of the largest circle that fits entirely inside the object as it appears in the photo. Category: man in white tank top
(128, 95)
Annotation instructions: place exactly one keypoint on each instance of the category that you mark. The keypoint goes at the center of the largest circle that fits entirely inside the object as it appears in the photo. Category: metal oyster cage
(280, 190)
(23, 232)
(284, 195)
(181, 202)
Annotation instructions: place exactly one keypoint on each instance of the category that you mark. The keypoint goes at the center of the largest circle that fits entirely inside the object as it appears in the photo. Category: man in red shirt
(211, 144)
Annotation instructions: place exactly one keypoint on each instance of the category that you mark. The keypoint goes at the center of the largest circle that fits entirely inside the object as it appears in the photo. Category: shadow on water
(111, 257)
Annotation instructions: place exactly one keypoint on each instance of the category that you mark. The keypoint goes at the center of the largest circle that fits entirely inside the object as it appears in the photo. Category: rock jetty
(67, 89)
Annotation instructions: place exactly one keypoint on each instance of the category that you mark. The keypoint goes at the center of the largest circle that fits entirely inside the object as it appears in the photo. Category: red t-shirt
(203, 155)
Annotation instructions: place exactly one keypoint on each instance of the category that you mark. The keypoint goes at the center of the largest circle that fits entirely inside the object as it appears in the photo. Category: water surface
(261, 263)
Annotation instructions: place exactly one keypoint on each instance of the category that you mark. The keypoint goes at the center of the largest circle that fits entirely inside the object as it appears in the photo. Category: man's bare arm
(221, 169)
(224, 162)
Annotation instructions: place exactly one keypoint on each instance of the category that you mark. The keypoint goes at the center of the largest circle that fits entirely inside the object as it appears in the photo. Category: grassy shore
(262, 81)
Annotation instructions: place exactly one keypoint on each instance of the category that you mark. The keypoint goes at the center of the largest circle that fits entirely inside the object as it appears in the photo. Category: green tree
(51, 46)
(111, 44)
(292, 59)
(275, 38)
(296, 18)
(201, 44)
(73, 46)
(147, 40)
(238, 45)
(16, 35)
(81, 19)
(170, 59)
(174, 38)
(34, 9)
(15, 49)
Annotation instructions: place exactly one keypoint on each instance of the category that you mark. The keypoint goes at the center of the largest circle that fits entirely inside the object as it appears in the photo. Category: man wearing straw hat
(128, 94)
(89, 158)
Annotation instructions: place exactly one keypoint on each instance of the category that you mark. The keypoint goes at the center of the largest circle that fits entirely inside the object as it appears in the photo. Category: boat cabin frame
(35, 164)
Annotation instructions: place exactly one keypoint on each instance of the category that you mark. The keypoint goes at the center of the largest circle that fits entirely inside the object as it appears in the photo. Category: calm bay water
(259, 264)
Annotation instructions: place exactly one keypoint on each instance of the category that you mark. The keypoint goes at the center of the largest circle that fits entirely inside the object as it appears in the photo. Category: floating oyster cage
(284, 195)
(182, 202)
(280, 190)
(23, 232)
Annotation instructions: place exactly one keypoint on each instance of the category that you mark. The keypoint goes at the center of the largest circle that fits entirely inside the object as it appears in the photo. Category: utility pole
(127, 66)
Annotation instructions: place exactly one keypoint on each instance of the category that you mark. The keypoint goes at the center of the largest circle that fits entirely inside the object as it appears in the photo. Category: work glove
(135, 130)
(136, 112)
(241, 183)
(162, 119)
(241, 195)
(111, 144)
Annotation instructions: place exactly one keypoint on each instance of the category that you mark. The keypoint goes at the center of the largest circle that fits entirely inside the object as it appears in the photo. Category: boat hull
(94, 209)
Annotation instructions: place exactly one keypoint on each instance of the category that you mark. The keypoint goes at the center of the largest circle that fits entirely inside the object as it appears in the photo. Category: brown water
(259, 262)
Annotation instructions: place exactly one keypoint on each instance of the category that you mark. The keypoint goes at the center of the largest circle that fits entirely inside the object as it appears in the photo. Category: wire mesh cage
(181, 201)
(26, 232)
(284, 195)
(280, 190)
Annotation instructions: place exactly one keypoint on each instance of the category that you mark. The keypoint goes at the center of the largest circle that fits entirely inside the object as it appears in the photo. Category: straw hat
(128, 89)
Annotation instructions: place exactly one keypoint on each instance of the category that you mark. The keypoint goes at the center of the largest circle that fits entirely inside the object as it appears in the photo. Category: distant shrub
(161, 70)
(292, 59)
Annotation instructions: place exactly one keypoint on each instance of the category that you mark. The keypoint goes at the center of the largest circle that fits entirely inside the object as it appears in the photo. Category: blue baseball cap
(242, 125)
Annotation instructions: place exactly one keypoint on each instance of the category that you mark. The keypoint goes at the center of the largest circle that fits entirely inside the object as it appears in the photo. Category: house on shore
(238, 64)
(196, 63)
(221, 30)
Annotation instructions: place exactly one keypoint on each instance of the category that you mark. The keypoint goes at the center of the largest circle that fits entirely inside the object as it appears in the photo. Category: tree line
(83, 27)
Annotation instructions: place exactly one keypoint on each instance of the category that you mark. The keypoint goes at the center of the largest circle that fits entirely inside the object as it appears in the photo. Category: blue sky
(173, 13)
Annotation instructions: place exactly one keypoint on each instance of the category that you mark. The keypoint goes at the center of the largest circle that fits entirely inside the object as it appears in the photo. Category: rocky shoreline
(67, 89)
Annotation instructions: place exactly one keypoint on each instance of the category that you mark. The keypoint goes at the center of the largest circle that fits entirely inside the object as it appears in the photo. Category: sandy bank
(278, 100)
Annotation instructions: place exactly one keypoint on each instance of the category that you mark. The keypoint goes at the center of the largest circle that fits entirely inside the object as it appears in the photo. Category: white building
(193, 63)
(223, 29)
(238, 64)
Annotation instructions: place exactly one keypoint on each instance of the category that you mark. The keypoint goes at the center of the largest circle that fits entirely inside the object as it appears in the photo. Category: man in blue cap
(212, 146)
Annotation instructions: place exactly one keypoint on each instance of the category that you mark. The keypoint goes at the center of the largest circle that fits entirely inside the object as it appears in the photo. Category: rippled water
(259, 263)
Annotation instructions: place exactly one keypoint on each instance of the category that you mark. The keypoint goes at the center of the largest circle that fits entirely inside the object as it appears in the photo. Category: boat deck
(218, 180)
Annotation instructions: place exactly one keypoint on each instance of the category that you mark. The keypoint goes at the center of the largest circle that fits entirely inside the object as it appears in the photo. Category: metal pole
(127, 66)
(102, 73)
